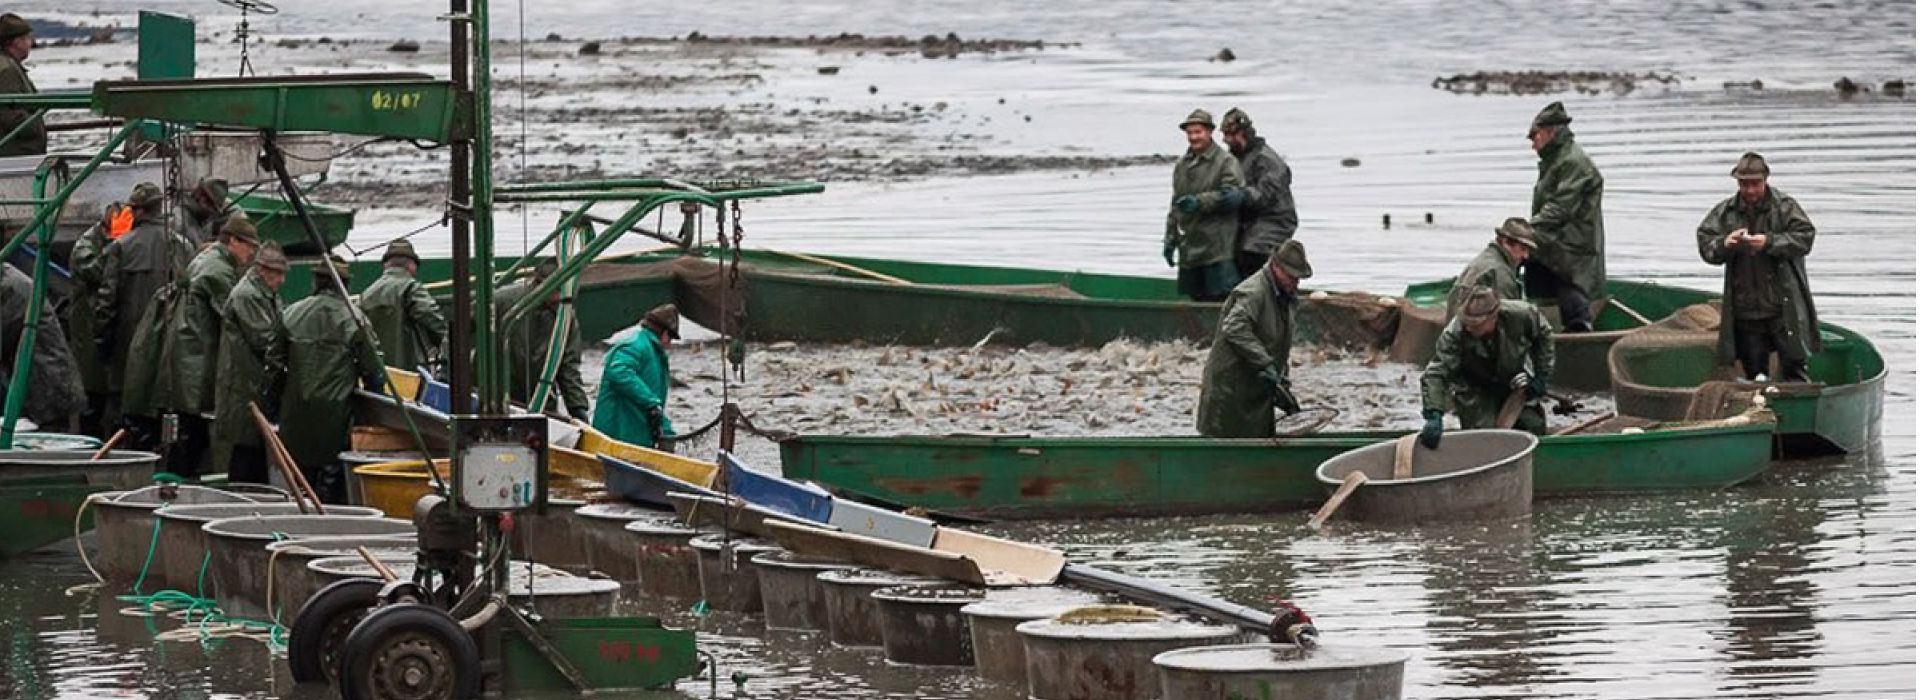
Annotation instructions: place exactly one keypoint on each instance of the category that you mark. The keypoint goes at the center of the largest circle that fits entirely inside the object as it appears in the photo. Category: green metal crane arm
(395, 105)
(63, 99)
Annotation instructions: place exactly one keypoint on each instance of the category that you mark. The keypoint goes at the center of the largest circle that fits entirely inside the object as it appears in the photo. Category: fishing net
(1349, 319)
(1670, 370)
(1415, 334)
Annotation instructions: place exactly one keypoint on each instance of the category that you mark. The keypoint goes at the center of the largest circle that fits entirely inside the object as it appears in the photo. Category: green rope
(199, 611)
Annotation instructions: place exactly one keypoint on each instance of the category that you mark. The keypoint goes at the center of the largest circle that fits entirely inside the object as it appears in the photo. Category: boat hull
(1033, 478)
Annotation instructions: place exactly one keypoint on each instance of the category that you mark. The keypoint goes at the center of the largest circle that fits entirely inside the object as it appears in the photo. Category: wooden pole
(1596, 420)
(101, 453)
(289, 470)
(837, 265)
(1348, 485)
(379, 567)
(1637, 316)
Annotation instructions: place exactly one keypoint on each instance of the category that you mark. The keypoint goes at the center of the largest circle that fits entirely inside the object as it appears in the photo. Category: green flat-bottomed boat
(1087, 477)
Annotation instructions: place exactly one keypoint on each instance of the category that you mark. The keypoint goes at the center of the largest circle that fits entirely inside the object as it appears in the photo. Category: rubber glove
(1272, 376)
(1166, 251)
(1537, 387)
(1187, 204)
(1283, 398)
(1233, 199)
(1430, 434)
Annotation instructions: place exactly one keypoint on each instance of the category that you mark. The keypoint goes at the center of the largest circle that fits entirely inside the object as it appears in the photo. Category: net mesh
(1349, 320)
(1670, 370)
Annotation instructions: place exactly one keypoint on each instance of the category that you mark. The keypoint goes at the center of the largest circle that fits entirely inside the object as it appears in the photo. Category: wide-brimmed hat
(1551, 115)
(270, 257)
(400, 249)
(1482, 304)
(1517, 230)
(1236, 119)
(241, 227)
(12, 25)
(145, 195)
(665, 317)
(1198, 116)
(1752, 166)
(1292, 257)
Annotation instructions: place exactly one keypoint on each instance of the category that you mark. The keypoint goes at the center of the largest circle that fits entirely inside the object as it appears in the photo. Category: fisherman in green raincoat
(84, 264)
(1571, 263)
(252, 363)
(405, 318)
(1247, 375)
(194, 338)
(633, 386)
(1492, 350)
(1762, 237)
(137, 288)
(1204, 218)
(328, 354)
(202, 211)
(527, 346)
(1497, 267)
(16, 42)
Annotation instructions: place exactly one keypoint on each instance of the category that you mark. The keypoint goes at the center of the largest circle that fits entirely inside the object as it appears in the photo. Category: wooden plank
(1354, 480)
(869, 551)
(1004, 562)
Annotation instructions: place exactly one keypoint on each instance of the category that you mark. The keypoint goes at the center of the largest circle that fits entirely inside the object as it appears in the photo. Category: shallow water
(1800, 585)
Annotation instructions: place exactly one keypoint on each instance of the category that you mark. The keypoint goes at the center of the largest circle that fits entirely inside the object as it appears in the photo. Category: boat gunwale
(1757, 426)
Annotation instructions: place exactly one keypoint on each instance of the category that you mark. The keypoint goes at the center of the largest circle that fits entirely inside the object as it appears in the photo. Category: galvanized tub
(790, 590)
(922, 625)
(1474, 475)
(664, 559)
(183, 545)
(237, 571)
(551, 592)
(549, 538)
(1281, 671)
(853, 616)
(123, 524)
(1091, 660)
(999, 653)
(119, 470)
(602, 531)
(293, 583)
(727, 581)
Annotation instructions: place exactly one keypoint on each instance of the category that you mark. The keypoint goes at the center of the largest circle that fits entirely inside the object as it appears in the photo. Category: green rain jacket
(1206, 236)
(1789, 239)
(84, 264)
(138, 290)
(1268, 217)
(1474, 375)
(251, 364)
(1256, 332)
(31, 141)
(405, 319)
(53, 382)
(1566, 216)
(1491, 268)
(194, 330)
(527, 353)
(634, 382)
(327, 356)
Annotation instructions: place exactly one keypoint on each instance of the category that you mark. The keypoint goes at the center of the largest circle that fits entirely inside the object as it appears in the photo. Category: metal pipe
(1169, 597)
(633, 195)
(579, 262)
(460, 192)
(567, 222)
(60, 199)
(590, 185)
(487, 341)
(485, 614)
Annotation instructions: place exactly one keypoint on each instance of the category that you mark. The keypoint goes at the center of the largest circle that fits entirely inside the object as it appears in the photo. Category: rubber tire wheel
(341, 603)
(388, 626)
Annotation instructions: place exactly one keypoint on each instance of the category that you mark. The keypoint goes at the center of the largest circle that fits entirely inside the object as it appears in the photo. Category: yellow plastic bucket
(393, 487)
(697, 472)
(406, 384)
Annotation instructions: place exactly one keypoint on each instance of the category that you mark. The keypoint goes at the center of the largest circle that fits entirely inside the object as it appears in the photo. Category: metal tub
(237, 567)
(601, 529)
(1281, 671)
(1475, 475)
(999, 654)
(183, 545)
(293, 583)
(853, 616)
(550, 592)
(123, 524)
(790, 590)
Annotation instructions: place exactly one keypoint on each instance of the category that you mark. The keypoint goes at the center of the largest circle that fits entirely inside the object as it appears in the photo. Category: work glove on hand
(1430, 434)
(1187, 204)
(1166, 251)
(1536, 387)
(1272, 376)
(1283, 398)
(1233, 199)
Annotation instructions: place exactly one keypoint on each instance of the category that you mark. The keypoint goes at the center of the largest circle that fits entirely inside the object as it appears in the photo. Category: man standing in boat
(1267, 217)
(16, 42)
(84, 265)
(1205, 214)
(405, 318)
(1762, 237)
(1570, 264)
(1247, 375)
(328, 354)
(1497, 267)
(251, 364)
(193, 337)
(134, 270)
(633, 387)
(1491, 364)
(528, 344)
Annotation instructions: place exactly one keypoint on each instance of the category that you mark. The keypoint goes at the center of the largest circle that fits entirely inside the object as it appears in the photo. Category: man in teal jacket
(633, 387)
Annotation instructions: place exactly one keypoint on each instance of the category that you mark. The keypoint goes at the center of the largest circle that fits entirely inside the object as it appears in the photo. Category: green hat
(400, 249)
(145, 195)
(1552, 115)
(1292, 257)
(215, 188)
(340, 267)
(270, 257)
(1236, 120)
(1751, 167)
(11, 26)
(239, 226)
(1199, 116)
(1482, 304)
(665, 317)
(1519, 230)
